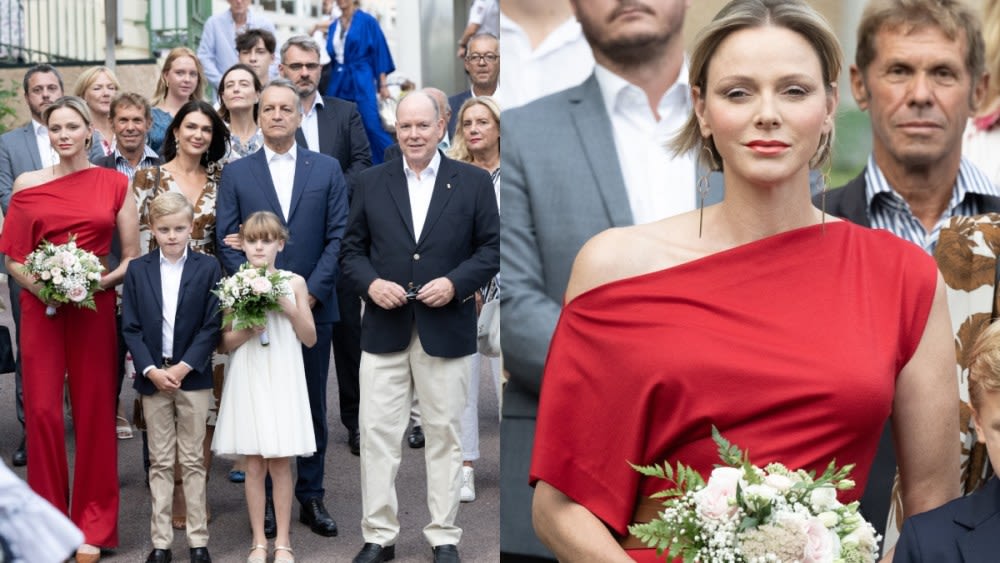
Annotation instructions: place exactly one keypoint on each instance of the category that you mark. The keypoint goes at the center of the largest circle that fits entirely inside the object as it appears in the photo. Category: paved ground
(229, 528)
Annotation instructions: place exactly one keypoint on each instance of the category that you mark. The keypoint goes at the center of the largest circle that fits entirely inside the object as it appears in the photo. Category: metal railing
(51, 30)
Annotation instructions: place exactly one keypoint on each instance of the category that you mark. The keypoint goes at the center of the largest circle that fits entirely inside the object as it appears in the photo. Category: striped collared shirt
(149, 159)
(888, 210)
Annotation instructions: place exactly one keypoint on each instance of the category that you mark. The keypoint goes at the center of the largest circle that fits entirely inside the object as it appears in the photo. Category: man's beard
(631, 51)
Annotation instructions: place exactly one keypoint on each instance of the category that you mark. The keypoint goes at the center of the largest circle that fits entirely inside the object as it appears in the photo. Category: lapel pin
(449, 186)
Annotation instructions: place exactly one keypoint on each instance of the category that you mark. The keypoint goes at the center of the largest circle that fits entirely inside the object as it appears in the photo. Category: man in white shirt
(586, 159)
(422, 237)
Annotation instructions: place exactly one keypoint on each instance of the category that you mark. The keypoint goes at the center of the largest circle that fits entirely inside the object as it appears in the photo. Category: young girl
(268, 384)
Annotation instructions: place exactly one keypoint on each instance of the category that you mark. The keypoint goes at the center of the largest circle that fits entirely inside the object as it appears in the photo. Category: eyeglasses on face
(478, 58)
(295, 67)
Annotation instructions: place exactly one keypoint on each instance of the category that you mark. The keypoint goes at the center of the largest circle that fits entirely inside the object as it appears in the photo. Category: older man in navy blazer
(422, 237)
(308, 191)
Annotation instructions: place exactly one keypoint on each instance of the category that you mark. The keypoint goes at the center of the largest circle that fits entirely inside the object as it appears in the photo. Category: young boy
(966, 529)
(171, 325)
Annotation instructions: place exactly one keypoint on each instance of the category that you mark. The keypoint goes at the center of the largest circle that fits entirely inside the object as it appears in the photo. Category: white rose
(759, 495)
(823, 498)
(829, 518)
(779, 482)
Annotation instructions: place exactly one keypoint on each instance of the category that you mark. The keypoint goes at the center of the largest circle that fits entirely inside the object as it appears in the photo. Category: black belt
(167, 362)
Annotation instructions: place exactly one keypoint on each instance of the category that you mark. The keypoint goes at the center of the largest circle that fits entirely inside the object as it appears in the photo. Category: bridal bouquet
(246, 296)
(67, 274)
(748, 514)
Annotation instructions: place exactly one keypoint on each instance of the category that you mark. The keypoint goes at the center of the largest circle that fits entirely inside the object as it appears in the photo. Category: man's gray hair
(303, 42)
(282, 83)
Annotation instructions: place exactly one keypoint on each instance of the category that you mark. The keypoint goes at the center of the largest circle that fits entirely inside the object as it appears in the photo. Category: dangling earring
(703, 183)
(177, 145)
(822, 198)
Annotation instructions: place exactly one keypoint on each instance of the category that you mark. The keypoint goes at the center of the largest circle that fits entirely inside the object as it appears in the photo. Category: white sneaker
(468, 491)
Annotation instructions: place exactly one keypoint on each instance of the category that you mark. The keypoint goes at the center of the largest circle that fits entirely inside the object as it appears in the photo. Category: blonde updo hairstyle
(794, 15)
(73, 103)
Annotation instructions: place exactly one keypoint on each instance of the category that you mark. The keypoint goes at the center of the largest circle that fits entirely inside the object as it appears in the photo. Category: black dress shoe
(159, 556)
(354, 441)
(20, 457)
(200, 555)
(416, 437)
(447, 553)
(270, 524)
(314, 514)
(375, 553)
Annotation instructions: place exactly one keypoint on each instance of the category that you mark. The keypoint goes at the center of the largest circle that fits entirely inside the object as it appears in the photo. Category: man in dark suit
(23, 150)
(423, 236)
(920, 86)
(308, 191)
(333, 127)
(482, 64)
(329, 125)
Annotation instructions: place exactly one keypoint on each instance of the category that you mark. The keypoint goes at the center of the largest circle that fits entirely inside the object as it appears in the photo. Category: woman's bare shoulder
(32, 179)
(626, 252)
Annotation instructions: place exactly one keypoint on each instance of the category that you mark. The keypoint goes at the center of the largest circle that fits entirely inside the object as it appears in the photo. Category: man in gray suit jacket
(564, 181)
(19, 153)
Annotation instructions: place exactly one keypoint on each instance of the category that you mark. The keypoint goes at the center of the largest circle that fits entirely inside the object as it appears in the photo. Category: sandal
(286, 549)
(123, 428)
(257, 558)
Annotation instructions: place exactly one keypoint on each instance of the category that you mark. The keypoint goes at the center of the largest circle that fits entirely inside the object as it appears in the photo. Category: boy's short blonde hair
(984, 365)
(263, 225)
(169, 203)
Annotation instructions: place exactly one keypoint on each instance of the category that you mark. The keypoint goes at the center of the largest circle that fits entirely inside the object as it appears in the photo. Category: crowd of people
(175, 191)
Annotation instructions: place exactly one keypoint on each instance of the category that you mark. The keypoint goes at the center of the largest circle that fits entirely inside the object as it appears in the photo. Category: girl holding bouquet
(268, 380)
(71, 199)
(672, 327)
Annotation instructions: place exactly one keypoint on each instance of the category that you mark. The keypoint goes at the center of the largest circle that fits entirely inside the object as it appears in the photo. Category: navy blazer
(341, 135)
(197, 323)
(316, 219)
(460, 240)
(966, 530)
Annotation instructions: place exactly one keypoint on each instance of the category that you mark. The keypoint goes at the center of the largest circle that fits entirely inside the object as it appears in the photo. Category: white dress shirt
(563, 59)
(421, 188)
(310, 124)
(658, 183)
(282, 167)
(170, 287)
(49, 156)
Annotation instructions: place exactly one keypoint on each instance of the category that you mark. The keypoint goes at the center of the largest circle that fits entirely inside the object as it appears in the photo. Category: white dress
(265, 404)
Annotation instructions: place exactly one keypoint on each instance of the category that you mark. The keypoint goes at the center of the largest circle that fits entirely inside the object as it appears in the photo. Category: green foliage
(8, 95)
